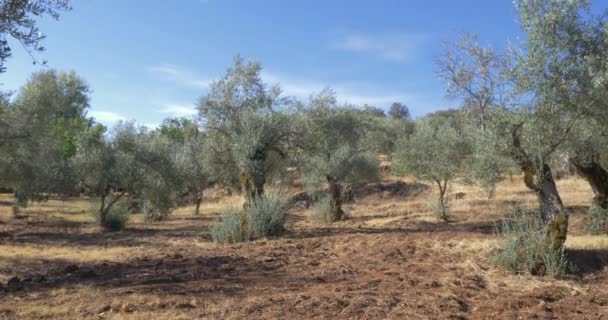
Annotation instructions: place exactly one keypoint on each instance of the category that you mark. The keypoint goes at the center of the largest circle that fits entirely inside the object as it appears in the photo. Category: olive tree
(399, 111)
(569, 49)
(473, 73)
(332, 151)
(18, 21)
(191, 158)
(128, 161)
(383, 133)
(39, 128)
(548, 88)
(433, 153)
(588, 155)
(554, 77)
(240, 110)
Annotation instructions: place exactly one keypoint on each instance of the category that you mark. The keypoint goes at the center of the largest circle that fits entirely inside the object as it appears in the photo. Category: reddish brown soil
(401, 270)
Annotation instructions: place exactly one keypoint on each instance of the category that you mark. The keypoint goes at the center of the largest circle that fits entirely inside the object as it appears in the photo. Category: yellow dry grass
(68, 253)
(6, 214)
(210, 208)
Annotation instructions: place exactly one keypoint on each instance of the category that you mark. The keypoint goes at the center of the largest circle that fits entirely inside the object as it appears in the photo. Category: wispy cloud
(179, 110)
(179, 76)
(107, 117)
(353, 93)
(359, 94)
(395, 47)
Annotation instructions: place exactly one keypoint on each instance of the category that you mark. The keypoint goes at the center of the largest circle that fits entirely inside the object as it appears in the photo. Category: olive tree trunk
(335, 199)
(252, 186)
(540, 180)
(443, 208)
(550, 204)
(197, 202)
(108, 199)
(597, 177)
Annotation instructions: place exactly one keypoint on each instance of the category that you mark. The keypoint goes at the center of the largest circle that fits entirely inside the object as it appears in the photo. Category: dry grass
(69, 253)
(210, 208)
(447, 256)
(6, 215)
(587, 242)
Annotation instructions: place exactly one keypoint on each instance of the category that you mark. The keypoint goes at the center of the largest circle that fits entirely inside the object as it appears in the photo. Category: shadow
(480, 228)
(131, 236)
(203, 276)
(391, 189)
(575, 210)
(587, 261)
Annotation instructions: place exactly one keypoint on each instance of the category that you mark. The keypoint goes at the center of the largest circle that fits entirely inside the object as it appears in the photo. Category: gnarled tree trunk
(542, 183)
(252, 187)
(550, 203)
(597, 177)
(335, 199)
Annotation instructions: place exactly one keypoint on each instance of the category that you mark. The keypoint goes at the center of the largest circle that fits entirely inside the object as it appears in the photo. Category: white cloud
(358, 94)
(180, 76)
(395, 47)
(107, 117)
(179, 110)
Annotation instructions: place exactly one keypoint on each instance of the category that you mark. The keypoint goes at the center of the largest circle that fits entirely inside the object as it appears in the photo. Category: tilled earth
(399, 270)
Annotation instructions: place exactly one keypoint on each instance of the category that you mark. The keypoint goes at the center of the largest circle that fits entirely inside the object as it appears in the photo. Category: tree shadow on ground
(479, 228)
(131, 236)
(398, 189)
(203, 276)
(587, 261)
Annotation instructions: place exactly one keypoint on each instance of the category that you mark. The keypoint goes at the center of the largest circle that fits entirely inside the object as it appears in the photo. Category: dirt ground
(391, 260)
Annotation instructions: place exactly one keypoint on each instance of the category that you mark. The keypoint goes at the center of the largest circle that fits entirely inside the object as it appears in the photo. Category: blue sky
(148, 60)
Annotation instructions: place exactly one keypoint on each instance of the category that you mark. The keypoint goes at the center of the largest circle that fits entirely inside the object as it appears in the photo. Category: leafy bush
(155, 211)
(229, 228)
(524, 248)
(598, 221)
(321, 210)
(266, 217)
(156, 202)
(116, 218)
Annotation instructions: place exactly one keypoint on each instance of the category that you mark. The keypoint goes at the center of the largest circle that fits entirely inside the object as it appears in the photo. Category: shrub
(321, 211)
(229, 228)
(156, 204)
(266, 217)
(524, 248)
(155, 211)
(116, 218)
(597, 223)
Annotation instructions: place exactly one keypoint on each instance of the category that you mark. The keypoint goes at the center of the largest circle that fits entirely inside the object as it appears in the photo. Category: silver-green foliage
(38, 131)
(321, 210)
(248, 134)
(265, 217)
(433, 153)
(117, 217)
(331, 139)
(597, 222)
(524, 248)
(230, 227)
